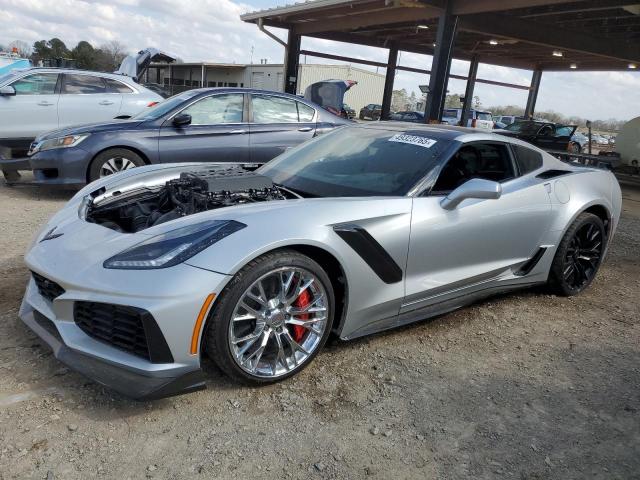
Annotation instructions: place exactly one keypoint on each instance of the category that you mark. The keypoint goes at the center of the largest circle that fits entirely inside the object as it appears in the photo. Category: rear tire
(258, 285)
(112, 161)
(575, 148)
(579, 255)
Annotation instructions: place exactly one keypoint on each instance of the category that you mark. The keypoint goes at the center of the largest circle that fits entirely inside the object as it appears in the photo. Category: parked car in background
(11, 61)
(477, 119)
(409, 116)
(237, 125)
(579, 142)
(349, 111)
(373, 111)
(508, 119)
(37, 100)
(546, 135)
(329, 94)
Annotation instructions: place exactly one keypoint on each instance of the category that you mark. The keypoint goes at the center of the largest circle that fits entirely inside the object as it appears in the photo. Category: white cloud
(211, 30)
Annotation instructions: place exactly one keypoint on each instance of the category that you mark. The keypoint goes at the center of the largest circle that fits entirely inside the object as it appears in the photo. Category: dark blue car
(236, 125)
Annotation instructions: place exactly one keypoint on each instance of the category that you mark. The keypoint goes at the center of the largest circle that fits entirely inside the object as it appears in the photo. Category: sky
(211, 30)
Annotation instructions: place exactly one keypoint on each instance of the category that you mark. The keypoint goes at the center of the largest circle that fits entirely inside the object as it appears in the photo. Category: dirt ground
(524, 386)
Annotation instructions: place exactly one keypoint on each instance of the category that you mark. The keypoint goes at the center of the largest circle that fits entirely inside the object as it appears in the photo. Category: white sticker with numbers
(413, 140)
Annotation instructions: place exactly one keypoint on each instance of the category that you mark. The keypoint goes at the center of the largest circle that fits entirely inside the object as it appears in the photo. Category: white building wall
(271, 77)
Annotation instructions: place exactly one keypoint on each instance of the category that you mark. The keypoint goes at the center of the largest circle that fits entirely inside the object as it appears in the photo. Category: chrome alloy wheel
(278, 322)
(115, 165)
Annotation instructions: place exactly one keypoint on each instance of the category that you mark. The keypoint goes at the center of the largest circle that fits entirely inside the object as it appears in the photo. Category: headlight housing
(67, 141)
(174, 247)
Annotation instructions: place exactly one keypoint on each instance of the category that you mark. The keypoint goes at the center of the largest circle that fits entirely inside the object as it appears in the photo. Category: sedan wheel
(579, 255)
(272, 318)
(115, 165)
(112, 161)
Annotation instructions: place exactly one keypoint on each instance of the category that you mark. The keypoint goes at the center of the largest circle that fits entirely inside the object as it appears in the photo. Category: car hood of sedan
(112, 126)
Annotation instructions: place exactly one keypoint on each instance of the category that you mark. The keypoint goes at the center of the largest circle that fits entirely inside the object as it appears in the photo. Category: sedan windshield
(157, 111)
(356, 161)
(524, 127)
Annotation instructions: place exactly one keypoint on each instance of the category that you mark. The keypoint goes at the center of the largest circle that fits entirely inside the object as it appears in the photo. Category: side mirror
(7, 91)
(182, 119)
(474, 188)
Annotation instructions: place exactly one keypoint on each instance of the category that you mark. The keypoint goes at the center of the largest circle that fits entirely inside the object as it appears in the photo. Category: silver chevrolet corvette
(144, 273)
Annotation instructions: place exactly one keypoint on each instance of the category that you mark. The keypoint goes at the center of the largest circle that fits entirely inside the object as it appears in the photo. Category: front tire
(578, 256)
(112, 161)
(272, 319)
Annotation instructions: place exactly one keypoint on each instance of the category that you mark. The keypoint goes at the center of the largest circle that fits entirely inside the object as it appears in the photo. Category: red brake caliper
(302, 301)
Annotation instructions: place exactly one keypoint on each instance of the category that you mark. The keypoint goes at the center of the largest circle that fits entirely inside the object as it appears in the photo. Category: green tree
(84, 55)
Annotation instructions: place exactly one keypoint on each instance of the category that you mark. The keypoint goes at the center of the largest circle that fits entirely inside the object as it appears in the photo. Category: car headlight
(174, 247)
(67, 141)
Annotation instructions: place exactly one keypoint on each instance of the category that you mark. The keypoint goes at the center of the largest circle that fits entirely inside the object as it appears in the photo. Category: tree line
(106, 58)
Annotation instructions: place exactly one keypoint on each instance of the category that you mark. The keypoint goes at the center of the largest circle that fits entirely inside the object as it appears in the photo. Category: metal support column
(468, 93)
(291, 62)
(202, 77)
(533, 93)
(442, 55)
(388, 83)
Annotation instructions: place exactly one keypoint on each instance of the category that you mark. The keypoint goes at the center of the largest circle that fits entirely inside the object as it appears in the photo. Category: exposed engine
(192, 192)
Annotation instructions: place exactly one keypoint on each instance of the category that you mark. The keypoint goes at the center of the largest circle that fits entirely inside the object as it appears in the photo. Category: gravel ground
(525, 386)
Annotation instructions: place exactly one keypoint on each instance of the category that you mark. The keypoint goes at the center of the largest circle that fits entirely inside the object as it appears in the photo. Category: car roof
(80, 71)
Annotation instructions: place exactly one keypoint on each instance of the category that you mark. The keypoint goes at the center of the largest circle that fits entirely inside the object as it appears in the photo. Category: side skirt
(436, 309)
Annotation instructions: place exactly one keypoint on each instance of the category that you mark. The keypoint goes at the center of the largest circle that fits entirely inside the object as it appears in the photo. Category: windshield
(356, 161)
(450, 113)
(524, 127)
(157, 111)
(483, 116)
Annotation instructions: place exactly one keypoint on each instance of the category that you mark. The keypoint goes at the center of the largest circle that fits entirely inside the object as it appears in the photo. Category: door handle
(105, 102)
(45, 103)
(305, 129)
(237, 132)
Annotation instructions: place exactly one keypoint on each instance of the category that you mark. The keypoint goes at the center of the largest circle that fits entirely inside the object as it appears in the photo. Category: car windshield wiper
(295, 191)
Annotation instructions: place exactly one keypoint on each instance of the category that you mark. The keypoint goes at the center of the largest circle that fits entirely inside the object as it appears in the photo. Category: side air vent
(370, 251)
(547, 174)
(530, 264)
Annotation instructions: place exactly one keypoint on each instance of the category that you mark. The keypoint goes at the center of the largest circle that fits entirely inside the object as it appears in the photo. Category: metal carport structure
(538, 35)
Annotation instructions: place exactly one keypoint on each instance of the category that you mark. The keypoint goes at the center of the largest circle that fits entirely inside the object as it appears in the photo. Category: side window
(216, 109)
(37, 84)
(528, 160)
(83, 84)
(563, 131)
(490, 161)
(114, 86)
(305, 112)
(267, 109)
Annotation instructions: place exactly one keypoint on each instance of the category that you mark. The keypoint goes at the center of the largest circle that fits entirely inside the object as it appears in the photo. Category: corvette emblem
(50, 235)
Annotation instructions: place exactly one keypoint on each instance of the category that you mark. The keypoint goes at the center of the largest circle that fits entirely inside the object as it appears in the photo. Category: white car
(37, 100)
(477, 119)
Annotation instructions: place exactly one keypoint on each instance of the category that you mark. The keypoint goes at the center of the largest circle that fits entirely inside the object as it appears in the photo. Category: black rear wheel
(578, 256)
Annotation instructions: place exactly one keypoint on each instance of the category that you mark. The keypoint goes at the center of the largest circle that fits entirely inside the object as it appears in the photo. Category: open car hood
(329, 94)
(134, 66)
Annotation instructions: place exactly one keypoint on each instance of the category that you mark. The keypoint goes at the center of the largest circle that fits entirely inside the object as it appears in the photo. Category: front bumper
(124, 372)
(61, 166)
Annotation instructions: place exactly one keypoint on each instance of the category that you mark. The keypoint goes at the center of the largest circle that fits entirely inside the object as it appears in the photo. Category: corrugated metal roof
(293, 8)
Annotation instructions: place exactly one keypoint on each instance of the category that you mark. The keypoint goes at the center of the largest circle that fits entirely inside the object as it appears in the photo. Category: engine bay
(192, 192)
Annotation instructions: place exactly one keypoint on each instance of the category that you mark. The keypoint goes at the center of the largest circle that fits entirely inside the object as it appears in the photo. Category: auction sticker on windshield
(413, 140)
